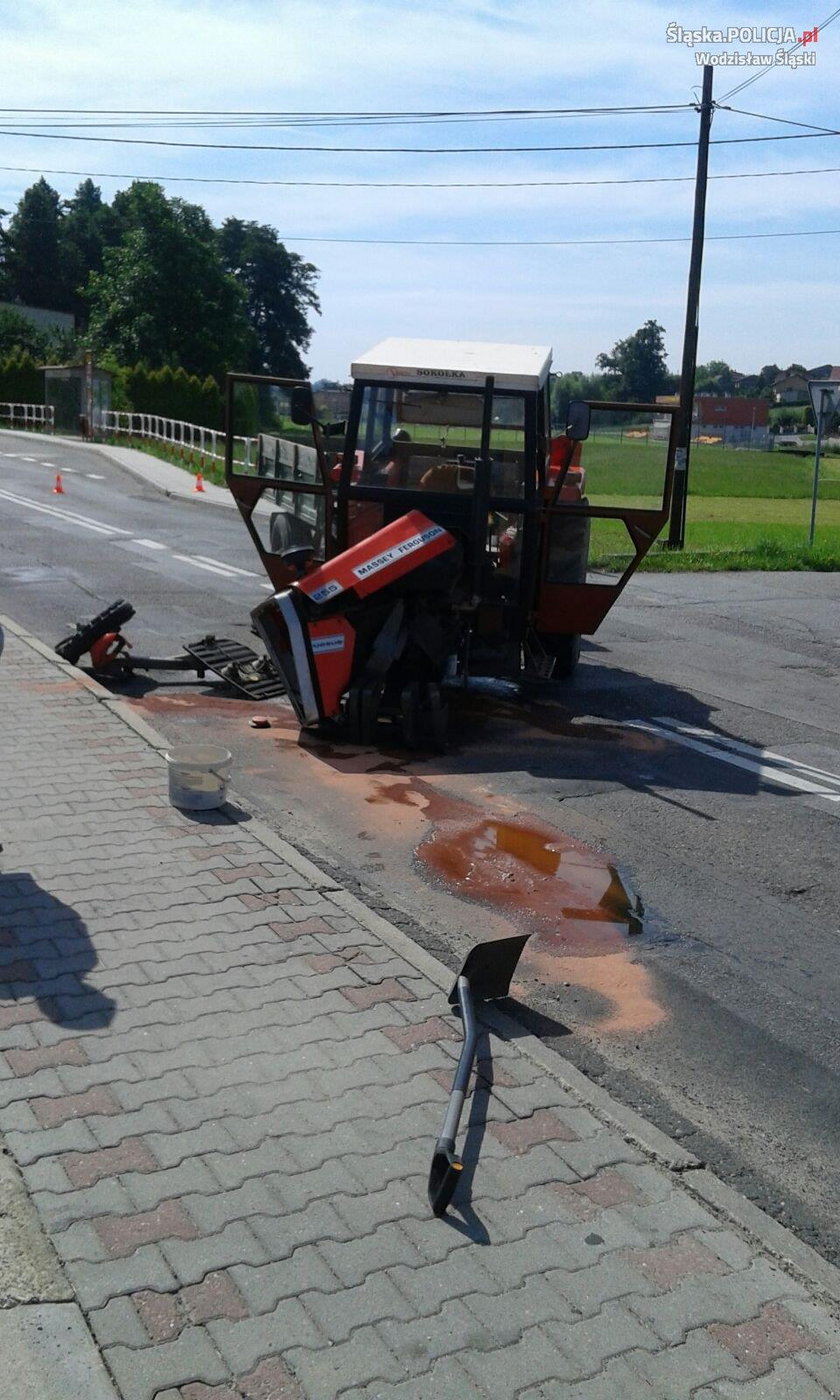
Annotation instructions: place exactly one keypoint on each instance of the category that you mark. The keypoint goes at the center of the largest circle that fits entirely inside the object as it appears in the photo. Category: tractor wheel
(361, 712)
(111, 619)
(425, 716)
(565, 648)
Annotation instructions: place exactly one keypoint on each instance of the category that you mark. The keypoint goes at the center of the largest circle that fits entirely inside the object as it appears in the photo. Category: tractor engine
(370, 632)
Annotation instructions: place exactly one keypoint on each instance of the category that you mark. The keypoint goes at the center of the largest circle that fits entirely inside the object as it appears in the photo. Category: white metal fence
(28, 415)
(188, 438)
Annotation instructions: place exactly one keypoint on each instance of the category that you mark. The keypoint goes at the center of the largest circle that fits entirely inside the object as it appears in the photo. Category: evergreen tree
(279, 291)
(34, 268)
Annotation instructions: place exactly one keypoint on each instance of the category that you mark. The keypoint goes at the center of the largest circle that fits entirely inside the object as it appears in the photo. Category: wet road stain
(526, 876)
(569, 897)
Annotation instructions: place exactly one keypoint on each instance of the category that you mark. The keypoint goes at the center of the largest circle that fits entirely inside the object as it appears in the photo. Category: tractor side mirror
(578, 420)
(301, 405)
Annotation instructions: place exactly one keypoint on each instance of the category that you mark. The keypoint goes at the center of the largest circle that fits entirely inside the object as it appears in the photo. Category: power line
(415, 184)
(763, 71)
(764, 117)
(413, 150)
(234, 118)
(545, 242)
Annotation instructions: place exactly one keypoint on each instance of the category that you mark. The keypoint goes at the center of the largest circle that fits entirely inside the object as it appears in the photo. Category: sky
(505, 251)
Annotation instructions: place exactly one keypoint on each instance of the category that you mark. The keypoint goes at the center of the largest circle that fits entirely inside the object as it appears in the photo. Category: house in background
(792, 388)
(725, 418)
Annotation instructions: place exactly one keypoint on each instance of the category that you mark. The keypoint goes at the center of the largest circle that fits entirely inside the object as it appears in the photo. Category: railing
(36, 416)
(188, 438)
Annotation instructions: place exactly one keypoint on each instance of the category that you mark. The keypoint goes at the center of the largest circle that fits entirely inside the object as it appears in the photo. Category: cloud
(370, 55)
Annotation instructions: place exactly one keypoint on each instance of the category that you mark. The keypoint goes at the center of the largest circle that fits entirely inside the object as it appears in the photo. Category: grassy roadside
(746, 510)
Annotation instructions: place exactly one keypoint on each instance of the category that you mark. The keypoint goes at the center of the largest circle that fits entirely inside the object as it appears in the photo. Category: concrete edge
(724, 1201)
(777, 1240)
(32, 1271)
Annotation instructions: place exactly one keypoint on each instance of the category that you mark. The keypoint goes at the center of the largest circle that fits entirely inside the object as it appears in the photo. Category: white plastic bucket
(198, 776)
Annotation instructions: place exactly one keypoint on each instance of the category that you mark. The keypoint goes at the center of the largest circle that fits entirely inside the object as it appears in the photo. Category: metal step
(242, 668)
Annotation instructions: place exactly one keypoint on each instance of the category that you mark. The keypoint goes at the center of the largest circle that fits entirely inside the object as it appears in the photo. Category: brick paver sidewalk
(222, 1081)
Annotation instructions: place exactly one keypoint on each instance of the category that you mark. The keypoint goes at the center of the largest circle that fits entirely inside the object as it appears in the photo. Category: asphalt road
(697, 751)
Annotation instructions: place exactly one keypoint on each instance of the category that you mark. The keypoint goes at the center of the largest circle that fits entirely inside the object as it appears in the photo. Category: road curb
(773, 1238)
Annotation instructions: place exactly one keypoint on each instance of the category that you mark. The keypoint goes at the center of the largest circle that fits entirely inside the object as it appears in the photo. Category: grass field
(746, 510)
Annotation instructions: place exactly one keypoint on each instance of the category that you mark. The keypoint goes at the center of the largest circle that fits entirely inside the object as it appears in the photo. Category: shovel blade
(489, 968)
(443, 1178)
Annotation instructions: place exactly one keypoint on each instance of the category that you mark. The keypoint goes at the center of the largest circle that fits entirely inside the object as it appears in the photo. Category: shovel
(485, 976)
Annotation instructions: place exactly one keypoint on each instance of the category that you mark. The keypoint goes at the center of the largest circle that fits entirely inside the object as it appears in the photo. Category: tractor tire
(565, 648)
(111, 619)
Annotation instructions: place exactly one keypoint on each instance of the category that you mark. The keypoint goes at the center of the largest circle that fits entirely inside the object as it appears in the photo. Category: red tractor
(438, 534)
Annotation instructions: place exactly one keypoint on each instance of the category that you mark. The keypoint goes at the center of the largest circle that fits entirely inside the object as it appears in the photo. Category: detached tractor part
(112, 657)
(485, 976)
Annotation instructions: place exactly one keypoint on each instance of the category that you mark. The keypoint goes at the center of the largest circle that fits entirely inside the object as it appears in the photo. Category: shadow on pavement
(46, 953)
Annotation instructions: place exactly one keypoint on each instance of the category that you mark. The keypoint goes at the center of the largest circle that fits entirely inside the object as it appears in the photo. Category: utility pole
(676, 532)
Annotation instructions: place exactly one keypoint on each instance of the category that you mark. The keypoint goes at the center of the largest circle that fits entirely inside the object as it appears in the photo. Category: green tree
(17, 332)
(21, 381)
(33, 263)
(638, 364)
(279, 291)
(163, 294)
(85, 231)
(717, 377)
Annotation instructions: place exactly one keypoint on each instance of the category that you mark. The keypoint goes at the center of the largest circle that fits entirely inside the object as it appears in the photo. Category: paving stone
(122, 1234)
(786, 1381)
(148, 1189)
(700, 1301)
(679, 1371)
(587, 1290)
(616, 1382)
(161, 1314)
(243, 1344)
(140, 1374)
(59, 1211)
(338, 1313)
(131, 1155)
(192, 1259)
(72, 1136)
(503, 1370)
(263, 1286)
(270, 1380)
(757, 1342)
(352, 1260)
(360, 1361)
(95, 1283)
(118, 1323)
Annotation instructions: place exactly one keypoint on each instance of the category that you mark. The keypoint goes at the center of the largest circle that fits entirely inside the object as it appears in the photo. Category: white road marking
(92, 476)
(58, 513)
(147, 544)
(769, 766)
(200, 564)
(231, 568)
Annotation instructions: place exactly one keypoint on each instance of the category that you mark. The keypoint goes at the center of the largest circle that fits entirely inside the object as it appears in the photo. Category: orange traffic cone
(58, 489)
(199, 482)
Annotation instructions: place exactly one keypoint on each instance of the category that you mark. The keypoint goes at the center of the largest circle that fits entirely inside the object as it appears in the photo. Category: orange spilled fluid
(574, 901)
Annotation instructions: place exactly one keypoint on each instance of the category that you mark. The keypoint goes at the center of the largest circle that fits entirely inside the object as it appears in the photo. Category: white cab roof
(455, 362)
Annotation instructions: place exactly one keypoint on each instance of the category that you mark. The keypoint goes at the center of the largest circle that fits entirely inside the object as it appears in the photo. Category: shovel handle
(446, 1165)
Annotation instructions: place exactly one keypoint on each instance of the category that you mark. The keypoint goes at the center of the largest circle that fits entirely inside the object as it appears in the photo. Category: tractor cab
(440, 531)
